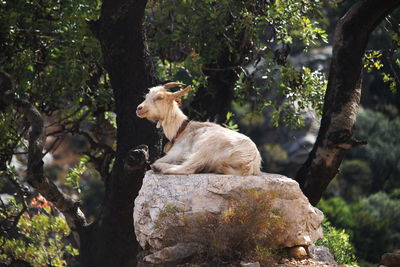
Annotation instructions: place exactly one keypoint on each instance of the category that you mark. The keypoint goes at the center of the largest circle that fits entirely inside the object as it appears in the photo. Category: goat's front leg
(162, 166)
(178, 169)
(196, 162)
(162, 163)
(170, 158)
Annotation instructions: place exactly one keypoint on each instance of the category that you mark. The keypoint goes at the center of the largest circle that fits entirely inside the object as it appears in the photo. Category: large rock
(391, 259)
(211, 192)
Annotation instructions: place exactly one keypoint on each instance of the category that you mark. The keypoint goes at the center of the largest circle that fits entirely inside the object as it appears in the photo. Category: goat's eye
(159, 97)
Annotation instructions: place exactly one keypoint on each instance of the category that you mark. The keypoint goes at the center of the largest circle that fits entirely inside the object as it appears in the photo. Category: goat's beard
(146, 115)
(141, 114)
(154, 119)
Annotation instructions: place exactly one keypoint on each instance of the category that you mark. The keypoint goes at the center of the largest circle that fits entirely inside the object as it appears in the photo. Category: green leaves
(377, 215)
(304, 91)
(295, 20)
(47, 49)
(195, 38)
(40, 243)
(372, 60)
(338, 242)
(373, 63)
(73, 175)
(230, 124)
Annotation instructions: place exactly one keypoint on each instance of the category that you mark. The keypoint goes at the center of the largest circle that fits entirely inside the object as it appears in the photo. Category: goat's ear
(182, 92)
(179, 101)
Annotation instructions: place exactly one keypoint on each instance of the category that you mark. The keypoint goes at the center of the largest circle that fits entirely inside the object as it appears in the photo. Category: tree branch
(11, 221)
(35, 175)
(342, 96)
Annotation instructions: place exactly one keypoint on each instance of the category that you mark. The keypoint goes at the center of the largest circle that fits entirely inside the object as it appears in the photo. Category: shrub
(243, 231)
(39, 239)
(355, 179)
(382, 152)
(338, 243)
(379, 216)
(372, 222)
(338, 212)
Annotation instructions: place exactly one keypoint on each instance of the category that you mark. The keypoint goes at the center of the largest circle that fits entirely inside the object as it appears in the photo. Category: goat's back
(220, 150)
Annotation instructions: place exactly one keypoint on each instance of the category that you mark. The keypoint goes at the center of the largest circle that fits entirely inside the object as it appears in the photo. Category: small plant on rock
(243, 231)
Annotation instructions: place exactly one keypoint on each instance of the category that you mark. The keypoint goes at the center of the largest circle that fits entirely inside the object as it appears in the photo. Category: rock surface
(211, 192)
(172, 254)
(391, 259)
(249, 264)
(321, 253)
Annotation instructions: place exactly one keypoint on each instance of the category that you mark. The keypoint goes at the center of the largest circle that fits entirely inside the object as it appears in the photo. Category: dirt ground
(305, 262)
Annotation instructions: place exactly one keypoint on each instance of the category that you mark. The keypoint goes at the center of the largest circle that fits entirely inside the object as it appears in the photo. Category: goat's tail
(253, 166)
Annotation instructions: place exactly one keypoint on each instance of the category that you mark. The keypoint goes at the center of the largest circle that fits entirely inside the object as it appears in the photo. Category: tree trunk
(110, 240)
(342, 97)
(213, 102)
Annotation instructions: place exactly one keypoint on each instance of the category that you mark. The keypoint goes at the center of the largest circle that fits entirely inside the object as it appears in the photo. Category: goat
(196, 147)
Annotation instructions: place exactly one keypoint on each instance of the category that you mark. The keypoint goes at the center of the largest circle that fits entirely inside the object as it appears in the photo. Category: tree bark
(110, 240)
(214, 101)
(342, 97)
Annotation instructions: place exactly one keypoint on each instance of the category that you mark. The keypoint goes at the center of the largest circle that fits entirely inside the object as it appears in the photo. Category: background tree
(342, 97)
(121, 34)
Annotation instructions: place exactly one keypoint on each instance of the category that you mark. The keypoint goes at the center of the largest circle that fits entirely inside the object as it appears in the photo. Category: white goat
(196, 147)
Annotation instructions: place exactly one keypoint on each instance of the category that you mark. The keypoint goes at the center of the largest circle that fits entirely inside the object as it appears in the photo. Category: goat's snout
(139, 111)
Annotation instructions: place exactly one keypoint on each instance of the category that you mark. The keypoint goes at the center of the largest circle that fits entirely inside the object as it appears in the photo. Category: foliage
(243, 231)
(338, 212)
(55, 61)
(376, 215)
(39, 238)
(50, 52)
(372, 60)
(303, 90)
(338, 243)
(386, 61)
(292, 16)
(194, 39)
(354, 180)
(383, 149)
(230, 124)
(72, 177)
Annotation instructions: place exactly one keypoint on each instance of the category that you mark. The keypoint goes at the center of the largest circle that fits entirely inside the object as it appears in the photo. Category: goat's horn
(182, 92)
(172, 84)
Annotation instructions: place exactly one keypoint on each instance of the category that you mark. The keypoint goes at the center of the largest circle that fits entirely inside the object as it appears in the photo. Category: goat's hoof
(155, 168)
